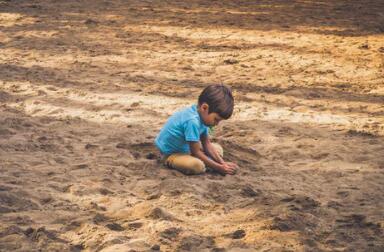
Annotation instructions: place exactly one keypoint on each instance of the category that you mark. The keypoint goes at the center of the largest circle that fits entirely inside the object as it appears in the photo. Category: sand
(86, 85)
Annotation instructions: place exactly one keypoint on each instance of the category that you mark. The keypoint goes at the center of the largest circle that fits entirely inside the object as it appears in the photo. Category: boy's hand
(229, 168)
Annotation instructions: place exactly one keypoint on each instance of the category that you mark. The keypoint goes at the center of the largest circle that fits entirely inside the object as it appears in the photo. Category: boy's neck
(199, 111)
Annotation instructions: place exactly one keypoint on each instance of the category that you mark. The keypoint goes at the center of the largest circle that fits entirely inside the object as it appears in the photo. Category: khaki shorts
(188, 164)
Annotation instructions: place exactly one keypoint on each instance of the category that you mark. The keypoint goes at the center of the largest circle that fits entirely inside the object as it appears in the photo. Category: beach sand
(85, 86)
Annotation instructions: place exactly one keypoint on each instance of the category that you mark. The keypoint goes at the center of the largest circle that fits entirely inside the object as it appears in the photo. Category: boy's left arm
(210, 149)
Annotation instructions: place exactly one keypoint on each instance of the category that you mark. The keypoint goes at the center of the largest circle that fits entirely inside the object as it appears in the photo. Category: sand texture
(86, 85)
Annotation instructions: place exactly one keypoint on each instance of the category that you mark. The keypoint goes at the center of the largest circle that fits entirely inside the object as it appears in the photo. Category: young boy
(184, 140)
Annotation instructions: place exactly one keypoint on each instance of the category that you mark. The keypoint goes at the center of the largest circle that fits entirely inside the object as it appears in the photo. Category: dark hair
(219, 99)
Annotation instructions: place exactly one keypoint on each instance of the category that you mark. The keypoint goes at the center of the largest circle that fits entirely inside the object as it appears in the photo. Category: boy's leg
(185, 163)
(219, 149)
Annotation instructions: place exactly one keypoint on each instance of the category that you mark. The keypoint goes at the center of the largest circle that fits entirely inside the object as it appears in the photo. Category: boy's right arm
(198, 153)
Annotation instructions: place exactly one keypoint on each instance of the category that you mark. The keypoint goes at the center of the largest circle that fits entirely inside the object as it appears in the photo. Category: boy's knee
(197, 166)
(219, 149)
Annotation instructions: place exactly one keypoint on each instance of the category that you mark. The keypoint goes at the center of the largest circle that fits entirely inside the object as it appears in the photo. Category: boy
(184, 140)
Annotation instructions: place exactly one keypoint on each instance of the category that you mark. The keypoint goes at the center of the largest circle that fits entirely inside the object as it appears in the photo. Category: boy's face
(209, 119)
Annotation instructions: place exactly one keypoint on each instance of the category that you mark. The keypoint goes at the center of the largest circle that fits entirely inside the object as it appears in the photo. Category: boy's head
(215, 104)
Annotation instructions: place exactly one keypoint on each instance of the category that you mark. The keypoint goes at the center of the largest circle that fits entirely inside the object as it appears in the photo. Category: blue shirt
(182, 127)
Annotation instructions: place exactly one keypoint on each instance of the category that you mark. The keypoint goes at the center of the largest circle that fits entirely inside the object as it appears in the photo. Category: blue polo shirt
(182, 127)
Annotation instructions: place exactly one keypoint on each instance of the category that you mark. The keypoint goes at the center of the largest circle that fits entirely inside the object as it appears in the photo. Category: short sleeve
(206, 131)
(191, 131)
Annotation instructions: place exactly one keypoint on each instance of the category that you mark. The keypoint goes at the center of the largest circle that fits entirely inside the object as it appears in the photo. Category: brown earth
(86, 85)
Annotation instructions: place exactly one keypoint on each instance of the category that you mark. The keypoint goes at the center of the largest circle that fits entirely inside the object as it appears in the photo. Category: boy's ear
(205, 107)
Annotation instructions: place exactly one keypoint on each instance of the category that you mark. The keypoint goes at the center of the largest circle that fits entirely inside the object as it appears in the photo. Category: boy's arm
(210, 150)
(198, 153)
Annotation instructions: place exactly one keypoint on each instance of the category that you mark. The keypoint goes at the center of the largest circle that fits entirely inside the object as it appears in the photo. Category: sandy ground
(86, 85)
